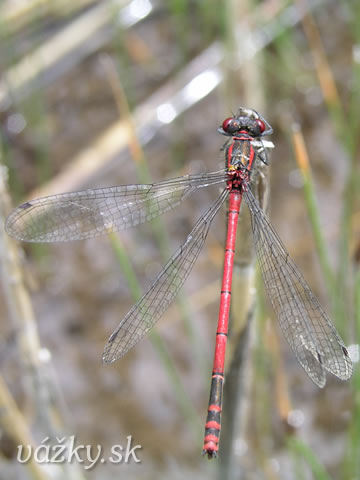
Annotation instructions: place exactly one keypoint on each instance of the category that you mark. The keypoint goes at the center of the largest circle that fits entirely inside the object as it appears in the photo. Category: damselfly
(86, 214)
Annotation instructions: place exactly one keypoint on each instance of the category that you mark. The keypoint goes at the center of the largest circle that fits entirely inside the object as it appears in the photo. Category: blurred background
(97, 93)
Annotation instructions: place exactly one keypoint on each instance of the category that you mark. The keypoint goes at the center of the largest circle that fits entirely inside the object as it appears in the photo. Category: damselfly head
(245, 120)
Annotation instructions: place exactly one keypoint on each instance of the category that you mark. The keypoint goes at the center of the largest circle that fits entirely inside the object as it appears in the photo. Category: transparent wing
(89, 213)
(147, 311)
(307, 328)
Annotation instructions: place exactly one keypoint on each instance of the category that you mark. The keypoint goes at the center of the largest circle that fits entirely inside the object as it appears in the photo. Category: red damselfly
(86, 214)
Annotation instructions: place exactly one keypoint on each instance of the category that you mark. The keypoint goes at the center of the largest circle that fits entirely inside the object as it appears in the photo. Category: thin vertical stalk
(302, 160)
(22, 315)
(14, 424)
(144, 176)
(352, 459)
(181, 395)
(302, 450)
(39, 389)
(347, 133)
(245, 83)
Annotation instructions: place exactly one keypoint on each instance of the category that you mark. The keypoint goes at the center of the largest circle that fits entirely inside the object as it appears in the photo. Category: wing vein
(306, 326)
(149, 308)
(93, 212)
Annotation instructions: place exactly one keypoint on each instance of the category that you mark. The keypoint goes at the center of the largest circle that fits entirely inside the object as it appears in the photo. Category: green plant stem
(300, 449)
(162, 240)
(352, 459)
(332, 285)
(181, 395)
(320, 244)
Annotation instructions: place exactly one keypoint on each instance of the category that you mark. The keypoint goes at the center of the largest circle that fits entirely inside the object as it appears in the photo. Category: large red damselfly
(86, 214)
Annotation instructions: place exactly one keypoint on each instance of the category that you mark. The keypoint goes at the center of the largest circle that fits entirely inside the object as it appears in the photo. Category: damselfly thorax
(240, 155)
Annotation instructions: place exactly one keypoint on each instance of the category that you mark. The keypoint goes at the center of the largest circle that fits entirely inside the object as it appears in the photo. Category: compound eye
(229, 125)
(261, 125)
